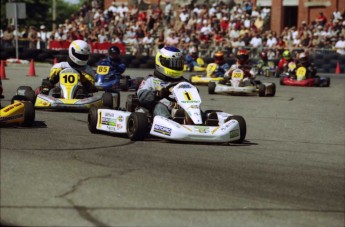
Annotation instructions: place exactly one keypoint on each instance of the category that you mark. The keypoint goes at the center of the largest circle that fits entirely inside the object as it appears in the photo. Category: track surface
(289, 171)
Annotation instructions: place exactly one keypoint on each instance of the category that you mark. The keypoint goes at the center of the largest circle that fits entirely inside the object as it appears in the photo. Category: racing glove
(162, 93)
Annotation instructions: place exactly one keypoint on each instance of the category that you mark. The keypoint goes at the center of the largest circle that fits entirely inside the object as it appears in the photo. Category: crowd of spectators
(205, 27)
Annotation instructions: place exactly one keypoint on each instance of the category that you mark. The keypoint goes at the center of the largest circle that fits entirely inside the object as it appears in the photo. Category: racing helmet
(242, 56)
(263, 55)
(194, 54)
(286, 55)
(79, 52)
(219, 57)
(114, 53)
(303, 58)
(169, 62)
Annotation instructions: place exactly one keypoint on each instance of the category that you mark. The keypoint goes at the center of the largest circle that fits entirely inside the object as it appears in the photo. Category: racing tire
(317, 82)
(328, 82)
(243, 127)
(29, 114)
(273, 90)
(211, 87)
(107, 100)
(262, 90)
(116, 99)
(281, 81)
(137, 126)
(124, 84)
(92, 119)
(30, 95)
(131, 103)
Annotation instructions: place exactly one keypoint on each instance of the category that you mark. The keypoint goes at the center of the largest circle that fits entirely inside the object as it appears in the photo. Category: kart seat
(212, 119)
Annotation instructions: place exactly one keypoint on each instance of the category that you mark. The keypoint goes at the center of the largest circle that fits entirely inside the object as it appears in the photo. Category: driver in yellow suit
(78, 55)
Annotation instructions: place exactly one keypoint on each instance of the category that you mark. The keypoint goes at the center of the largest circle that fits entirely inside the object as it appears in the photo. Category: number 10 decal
(69, 79)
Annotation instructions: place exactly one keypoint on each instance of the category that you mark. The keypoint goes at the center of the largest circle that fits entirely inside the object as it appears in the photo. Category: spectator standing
(148, 42)
(340, 45)
(8, 37)
(32, 36)
(256, 44)
(42, 36)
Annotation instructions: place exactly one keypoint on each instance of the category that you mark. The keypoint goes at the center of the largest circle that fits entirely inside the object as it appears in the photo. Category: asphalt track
(289, 171)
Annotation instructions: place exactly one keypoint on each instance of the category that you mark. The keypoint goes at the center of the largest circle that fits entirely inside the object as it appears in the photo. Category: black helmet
(114, 52)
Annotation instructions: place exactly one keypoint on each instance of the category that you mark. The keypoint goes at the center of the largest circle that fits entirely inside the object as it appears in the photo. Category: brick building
(283, 12)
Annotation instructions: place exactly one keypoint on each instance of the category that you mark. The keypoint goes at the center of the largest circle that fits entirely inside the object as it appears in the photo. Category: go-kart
(237, 84)
(187, 122)
(205, 78)
(299, 78)
(106, 80)
(69, 94)
(266, 70)
(21, 112)
(200, 67)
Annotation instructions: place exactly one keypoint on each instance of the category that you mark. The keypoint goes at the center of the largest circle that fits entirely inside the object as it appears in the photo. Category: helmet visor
(172, 63)
(82, 57)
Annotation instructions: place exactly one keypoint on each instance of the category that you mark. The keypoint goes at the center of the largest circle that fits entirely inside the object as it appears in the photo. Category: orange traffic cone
(337, 68)
(55, 61)
(32, 72)
(2, 71)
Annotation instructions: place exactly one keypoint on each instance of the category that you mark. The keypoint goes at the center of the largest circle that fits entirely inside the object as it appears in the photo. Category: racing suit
(246, 70)
(116, 68)
(220, 70)
(86, 77)
(149, 98)
(283, 66)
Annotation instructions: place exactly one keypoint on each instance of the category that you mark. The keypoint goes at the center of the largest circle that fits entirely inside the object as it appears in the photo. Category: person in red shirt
(321, 19)
(284, 62)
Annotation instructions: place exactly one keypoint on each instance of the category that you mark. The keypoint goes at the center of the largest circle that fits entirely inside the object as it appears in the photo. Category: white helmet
(79, 52)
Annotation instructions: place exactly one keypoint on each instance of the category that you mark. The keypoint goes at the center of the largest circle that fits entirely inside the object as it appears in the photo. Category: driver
(284, 62)
(242, 62)
(78, 55)
(114, 61)
(192, 60)
(152, 92)
(222, 65)
(303, 60)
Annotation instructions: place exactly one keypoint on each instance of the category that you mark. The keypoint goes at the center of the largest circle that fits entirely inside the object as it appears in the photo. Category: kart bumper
(48, 102)
(204, 80)
(250, 90)
(171, 130)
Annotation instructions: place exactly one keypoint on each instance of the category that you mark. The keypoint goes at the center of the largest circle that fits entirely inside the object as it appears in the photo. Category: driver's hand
(162, 93)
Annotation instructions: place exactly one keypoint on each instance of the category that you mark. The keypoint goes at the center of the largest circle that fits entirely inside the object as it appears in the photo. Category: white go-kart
(237, 84)
(187, 122)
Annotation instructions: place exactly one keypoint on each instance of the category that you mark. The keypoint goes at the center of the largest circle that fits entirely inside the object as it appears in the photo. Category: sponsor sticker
(162, 129)
(202, 129)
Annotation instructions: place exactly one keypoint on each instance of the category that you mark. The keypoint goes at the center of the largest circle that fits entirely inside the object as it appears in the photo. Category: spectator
(148, 42)
(42, 36)
(32, 36)
(321, 19)
(8, 37)
(340, 45)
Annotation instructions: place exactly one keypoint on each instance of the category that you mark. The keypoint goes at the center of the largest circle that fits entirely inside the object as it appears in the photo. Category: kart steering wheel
(168, 88)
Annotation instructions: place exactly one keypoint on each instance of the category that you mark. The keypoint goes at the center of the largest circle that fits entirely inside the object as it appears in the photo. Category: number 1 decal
(187, 96)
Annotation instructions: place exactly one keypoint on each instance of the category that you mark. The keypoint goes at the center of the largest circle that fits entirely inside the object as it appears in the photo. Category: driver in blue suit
(117, 68)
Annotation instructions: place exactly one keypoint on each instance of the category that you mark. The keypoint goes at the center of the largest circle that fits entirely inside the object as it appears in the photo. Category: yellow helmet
(169, 62)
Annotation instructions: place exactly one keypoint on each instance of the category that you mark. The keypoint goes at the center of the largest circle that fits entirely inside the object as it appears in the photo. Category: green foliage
(39, 12)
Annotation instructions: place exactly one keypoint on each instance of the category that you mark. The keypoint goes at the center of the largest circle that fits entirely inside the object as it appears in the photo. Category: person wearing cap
(117, 68)
(42, 36)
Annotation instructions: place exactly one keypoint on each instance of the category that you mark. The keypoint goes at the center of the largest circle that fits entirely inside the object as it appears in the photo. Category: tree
(39, 12)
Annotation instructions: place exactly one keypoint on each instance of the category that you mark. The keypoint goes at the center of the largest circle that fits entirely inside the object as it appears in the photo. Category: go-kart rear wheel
(137, 126)
(92, 119)
(132, 102)
(281, 81)
(107, 100)
(30, 95)
(29, 114)
(262, 90)
(124, 84)
(272, 90)
(211, 87)
(317, 81)
(328, 82)
(243, 127)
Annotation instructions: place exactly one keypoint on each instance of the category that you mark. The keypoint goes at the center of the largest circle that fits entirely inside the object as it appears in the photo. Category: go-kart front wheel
(243, 127)
(29, 114)
(211, 87)
(111, 100)
(92, 119)
(137, 126)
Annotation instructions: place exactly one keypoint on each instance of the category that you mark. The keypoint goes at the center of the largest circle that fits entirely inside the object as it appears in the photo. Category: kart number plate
(237, 75)
(103, 70)
(301, 72)
(69, 78)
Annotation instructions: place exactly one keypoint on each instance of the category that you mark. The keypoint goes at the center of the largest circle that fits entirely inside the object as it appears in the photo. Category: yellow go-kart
(200, 67)
(19, 112)
(206, 77)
